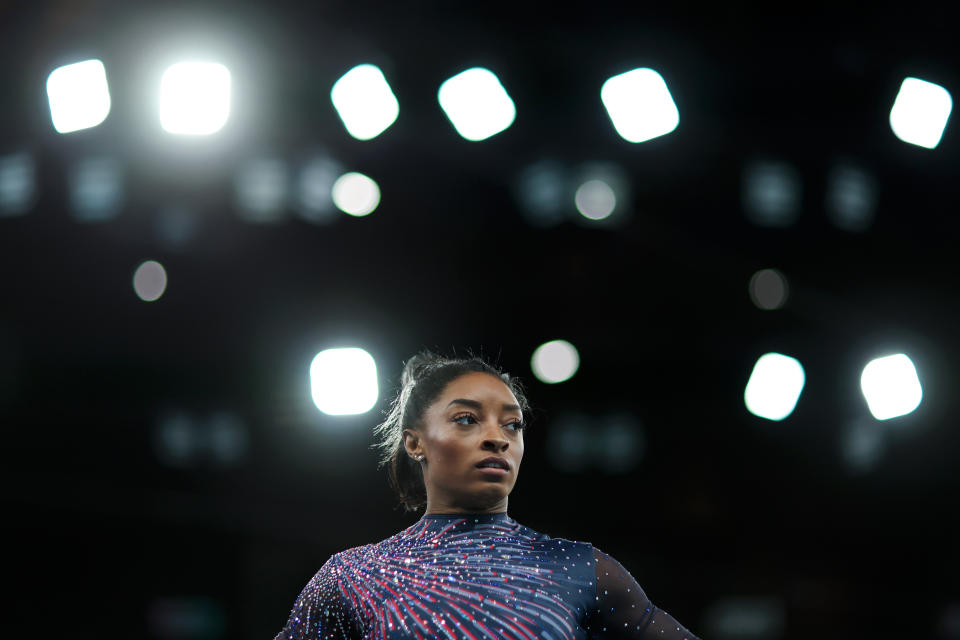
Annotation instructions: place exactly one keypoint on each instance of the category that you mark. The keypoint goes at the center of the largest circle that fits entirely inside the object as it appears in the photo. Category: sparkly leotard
(475, 577)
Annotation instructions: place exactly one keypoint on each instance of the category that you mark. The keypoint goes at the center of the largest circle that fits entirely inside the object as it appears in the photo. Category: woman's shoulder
(557, 539)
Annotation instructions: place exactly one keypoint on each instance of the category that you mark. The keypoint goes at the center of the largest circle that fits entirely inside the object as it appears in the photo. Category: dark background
(105, 538)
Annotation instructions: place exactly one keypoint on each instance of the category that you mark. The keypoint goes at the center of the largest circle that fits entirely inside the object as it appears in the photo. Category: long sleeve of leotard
(320, 612)
(624, 611)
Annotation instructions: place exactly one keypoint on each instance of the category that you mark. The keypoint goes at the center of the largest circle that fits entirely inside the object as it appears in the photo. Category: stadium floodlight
(477, 104)
(920, 111)
(555, 361)
(150, 281)
(355, 194)
(344, 381)
(195, 98)
(891, 387)
(364, 101)
(79, 96)
(774, 386)
(639, 105)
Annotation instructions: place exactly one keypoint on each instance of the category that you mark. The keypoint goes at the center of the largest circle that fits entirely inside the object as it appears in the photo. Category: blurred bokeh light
(920, 112)
(195, 98)
(365, 102)
(477, 104)
(262, 187)
(555, 361)
(774, 386)
(640, 105)
(771, 193)
(150, 281)
(356, 194)
(343, 381)
(18, 186)
(96, 189)
(891, 387)
(79, 96)
(768, 289)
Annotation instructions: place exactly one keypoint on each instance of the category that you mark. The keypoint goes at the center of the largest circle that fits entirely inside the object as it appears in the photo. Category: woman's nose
(494, 440)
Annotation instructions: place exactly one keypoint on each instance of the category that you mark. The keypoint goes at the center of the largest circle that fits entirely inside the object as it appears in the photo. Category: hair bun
(418, 365)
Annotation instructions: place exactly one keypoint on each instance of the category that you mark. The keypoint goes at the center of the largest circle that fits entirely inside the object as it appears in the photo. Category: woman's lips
(492, 471)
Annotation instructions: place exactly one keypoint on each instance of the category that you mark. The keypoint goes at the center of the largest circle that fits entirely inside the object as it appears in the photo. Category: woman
(453, 442)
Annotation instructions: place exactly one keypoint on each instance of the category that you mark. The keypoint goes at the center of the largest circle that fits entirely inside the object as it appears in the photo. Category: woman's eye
(517, 426)
(467, 418)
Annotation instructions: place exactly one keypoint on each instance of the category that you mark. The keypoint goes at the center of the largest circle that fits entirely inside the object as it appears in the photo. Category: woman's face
(476, 418)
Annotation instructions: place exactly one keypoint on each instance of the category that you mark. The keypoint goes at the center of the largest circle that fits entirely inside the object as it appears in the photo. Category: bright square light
(640, 105)
(195, 98)
(477, 104)
(774, 386)
(891, 387)
(920, 111)
(344, 381)
(79, 96)
(364, 101)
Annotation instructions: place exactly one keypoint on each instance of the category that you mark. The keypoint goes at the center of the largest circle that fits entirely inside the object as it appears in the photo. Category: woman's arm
(623, 609)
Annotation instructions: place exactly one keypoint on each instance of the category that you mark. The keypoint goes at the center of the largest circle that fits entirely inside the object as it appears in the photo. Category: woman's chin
(487, 498)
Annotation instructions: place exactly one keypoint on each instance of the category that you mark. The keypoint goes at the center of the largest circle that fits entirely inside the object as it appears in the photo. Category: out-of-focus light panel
(768, 289)
(364, 101)
(595, 200)
(771, 194)
(891, 387)
(774, 386)
(570, 443)
(620, 442)
(542, 193)
(612, 444)
(79, 96)
(176, 439)
(477, 104)
(150, 281)
(261, 190)
(181, 440)
(227, 438)
(555, 361)
(314, 199)
(176, 225)
(863, 445)
(639, 105)
(745, 618)
(18, 184)
(356, 194)
(186, 617)
(195, 98)
(851, 198)
(344, 381)
(920, 112)
(96, 189)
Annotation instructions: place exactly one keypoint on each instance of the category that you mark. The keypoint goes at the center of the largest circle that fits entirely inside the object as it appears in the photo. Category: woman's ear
(411, 442)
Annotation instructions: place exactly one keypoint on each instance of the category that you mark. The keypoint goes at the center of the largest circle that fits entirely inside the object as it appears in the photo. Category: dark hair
(424, 378)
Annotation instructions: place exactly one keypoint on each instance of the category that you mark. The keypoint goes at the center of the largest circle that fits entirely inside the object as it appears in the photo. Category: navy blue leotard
(475, 577)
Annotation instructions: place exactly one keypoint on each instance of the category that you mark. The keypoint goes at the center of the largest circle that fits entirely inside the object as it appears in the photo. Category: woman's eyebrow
(478, 406)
